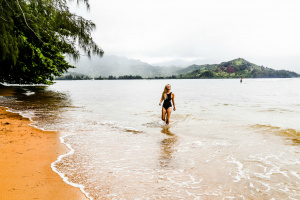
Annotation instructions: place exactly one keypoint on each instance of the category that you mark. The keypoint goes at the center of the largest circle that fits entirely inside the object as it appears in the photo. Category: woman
(167, 96)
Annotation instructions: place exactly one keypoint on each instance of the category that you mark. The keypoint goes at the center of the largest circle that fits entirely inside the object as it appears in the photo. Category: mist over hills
(119, 66)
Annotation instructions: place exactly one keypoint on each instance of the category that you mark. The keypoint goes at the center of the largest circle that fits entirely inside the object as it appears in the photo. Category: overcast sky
(264, 32)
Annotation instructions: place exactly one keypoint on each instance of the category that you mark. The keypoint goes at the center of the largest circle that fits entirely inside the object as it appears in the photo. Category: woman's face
(168, 87)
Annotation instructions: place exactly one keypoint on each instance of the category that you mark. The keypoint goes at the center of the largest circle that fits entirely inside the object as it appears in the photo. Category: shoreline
(26, 157)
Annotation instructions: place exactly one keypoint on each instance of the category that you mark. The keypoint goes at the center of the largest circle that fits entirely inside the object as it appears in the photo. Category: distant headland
(234, 69)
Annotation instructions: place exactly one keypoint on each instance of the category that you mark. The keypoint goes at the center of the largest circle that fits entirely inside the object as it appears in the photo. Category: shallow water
(226, 140)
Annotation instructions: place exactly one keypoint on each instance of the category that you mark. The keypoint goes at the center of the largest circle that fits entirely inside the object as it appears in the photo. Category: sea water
(226, 139)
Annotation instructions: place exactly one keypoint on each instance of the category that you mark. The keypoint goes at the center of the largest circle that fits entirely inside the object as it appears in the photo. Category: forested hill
(234, 69)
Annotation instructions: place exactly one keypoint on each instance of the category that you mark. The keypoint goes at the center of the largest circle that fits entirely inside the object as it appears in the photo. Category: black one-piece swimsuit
(167, 102)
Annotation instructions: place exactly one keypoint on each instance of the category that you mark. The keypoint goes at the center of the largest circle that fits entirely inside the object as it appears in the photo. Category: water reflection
(168, 147)
(39, 102)
(292, 136)
(6, 91)
(296, 142)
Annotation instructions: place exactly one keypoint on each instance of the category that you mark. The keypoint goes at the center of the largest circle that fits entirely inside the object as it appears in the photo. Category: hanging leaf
(35, 35)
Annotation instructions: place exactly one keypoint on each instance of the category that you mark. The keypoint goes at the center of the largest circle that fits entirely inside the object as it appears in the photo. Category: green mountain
(233, 69)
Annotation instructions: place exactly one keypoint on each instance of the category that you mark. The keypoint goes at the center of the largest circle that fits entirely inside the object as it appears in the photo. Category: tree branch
(4, 19)
(27, 23)
(9, 6)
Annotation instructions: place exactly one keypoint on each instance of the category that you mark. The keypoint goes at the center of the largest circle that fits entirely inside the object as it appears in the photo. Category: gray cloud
(264, 32)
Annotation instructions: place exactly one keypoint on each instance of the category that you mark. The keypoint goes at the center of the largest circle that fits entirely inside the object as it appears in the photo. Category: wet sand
(26, 154)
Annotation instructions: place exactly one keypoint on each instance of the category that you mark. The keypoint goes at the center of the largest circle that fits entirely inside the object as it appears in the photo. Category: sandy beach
(26, 154)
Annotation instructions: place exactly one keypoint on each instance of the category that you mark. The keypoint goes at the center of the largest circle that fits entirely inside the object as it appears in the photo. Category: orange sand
(26, 154)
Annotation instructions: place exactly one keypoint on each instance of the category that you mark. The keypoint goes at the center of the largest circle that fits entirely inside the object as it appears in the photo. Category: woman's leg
(168, 115)
(163, 114)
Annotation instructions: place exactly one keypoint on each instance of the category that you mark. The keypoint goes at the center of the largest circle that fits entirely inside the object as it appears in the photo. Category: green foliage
(111, 77)
(130, 77)
(207, 74)
(36, 35)
(73, 76)
(126, 77)
(193, 68)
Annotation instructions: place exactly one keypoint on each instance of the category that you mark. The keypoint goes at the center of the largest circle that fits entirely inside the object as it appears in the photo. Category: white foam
(295, 174)
(251, 185)
(197, 143)
(240, 173)
(221, 143)
(62, 175)
(266, 185)
(107, 122)
(191, 194)
(28, 93)
(27, 115)
(291, 198)
(228, 197)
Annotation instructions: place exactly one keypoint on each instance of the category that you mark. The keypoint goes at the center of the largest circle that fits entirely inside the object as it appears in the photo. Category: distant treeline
(73, 77)
(85, 77)
(128, 77)
(120, 77)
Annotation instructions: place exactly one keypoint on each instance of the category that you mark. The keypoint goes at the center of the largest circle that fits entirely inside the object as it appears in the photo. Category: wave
(280, 110)
(119, 126)
(61, 174)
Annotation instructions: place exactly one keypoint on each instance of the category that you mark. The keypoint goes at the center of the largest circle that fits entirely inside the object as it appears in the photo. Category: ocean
(226, 140)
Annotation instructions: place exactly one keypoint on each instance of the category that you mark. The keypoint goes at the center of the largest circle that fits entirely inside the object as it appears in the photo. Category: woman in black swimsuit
(167, 96)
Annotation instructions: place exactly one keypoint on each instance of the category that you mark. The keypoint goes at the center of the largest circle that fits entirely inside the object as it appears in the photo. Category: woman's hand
(174, 108)
(159, 104)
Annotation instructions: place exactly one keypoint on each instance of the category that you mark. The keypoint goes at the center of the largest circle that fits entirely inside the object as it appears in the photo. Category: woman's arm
(173, 100)
(161, 100)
